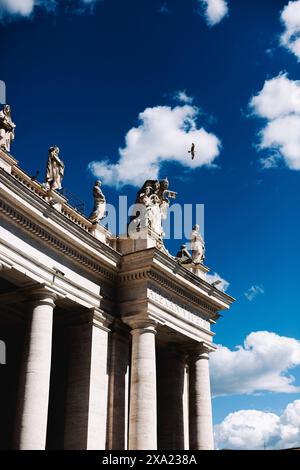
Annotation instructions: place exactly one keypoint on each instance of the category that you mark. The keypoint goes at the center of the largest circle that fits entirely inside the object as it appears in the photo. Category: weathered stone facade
(107, 339)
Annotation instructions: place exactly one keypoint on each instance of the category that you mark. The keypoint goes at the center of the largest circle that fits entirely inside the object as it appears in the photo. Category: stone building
(107, 339)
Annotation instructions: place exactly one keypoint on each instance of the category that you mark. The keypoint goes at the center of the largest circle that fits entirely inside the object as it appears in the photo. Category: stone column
(200, 412)
(117, 435)
(87, 384)
(32, 408)
(171, 372)
(186, 409)
(143, 408)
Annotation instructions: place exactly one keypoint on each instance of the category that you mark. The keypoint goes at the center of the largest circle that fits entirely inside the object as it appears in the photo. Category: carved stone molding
(180, 309)
(46, 236)
(150, 274)
(182, 292)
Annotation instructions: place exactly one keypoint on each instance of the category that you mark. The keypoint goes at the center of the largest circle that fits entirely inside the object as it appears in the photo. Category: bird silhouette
(192, 151)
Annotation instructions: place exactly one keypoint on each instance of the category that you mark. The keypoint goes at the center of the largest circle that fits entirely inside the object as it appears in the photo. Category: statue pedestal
(101, 233)
(56, 200)
(200, 270)
(140, 240)
(7, 162)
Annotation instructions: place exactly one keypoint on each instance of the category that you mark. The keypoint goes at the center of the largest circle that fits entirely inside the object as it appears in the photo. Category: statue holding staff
(55, 170)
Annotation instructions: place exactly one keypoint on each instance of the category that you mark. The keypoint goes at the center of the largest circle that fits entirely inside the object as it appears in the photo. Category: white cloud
(290, 17)
(279, 104)
(253, 429)
(262, 364)
(272, 161)
(164, 134)
(253, 292)
(17, 7)
(24, 8)
(182, 97)
(222, 285)
(214, 10)
(279, 97)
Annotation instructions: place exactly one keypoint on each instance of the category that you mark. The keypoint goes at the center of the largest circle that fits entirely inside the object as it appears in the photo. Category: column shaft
(87, 388)
(200, 412)
(32, 408)
(171, 370)
(143, 409)
(118, 391)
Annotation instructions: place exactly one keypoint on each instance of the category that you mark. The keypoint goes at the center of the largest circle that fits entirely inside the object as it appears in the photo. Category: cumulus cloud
(254, 430)
(214, 10)
(164, 134)
(183, 97)
(253, 292)
(25, 8)
(262, 364)
(278, 103)
(290, 17)
(215, 277)
(17, 7)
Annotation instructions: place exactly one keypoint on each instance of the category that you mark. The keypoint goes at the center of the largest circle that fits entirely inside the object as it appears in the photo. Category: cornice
(168, 286)
(81, 231)
(62, 246)
(182, 293)
(192, 278)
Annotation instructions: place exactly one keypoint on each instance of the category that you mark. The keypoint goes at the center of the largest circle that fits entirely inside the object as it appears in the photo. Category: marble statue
(154, 214)
(183, 256)
(152, 203)
(55, 170)
(7, 128)
(99, 208)
(197, 245)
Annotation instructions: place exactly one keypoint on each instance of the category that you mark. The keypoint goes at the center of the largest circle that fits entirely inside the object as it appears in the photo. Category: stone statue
(99, 204)
(55, 170)
(183, 256)
(152, 203)
(154, 214)
(197, 245)
(7, 128)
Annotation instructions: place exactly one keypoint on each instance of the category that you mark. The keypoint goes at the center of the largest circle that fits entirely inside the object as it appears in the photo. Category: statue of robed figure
(150, 209)
(197, 245)
(55, 170)
(99, 208)
(7, 128)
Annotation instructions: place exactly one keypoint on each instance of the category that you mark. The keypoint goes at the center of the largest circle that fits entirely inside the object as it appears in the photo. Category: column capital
(119, 327)
(42, 295)
(96, 317)
(200, 351)
(140, 324)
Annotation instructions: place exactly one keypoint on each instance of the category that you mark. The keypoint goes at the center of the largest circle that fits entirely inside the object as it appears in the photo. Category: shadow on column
(58, 383)
(12, 334)
(170, 387)
(118, 390)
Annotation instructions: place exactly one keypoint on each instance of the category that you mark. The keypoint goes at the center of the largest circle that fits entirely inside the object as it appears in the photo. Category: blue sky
(79, 77)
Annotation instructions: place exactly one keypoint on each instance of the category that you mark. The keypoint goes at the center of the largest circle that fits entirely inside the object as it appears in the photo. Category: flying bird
(192, 151)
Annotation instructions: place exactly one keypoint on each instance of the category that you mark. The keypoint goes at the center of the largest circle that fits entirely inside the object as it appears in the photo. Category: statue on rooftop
(7, 128)
(197, 245)
(55, 170)
(99, 208)
(152, 203)
(183, 256)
